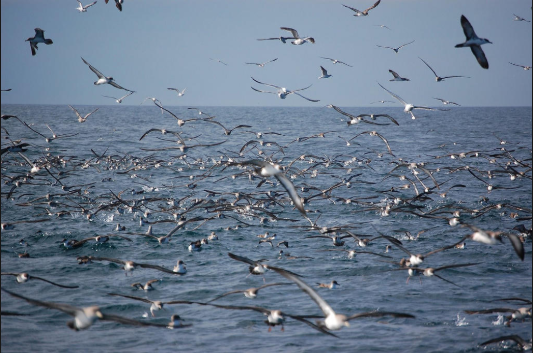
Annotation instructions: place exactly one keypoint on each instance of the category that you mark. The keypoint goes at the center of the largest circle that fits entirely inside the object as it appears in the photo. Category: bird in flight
(395, 49)
(103, 79)
(474, 42)
(437, 77)
(36, 39)
(365, 12)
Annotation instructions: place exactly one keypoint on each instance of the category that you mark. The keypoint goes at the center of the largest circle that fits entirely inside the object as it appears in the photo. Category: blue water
(365, 283)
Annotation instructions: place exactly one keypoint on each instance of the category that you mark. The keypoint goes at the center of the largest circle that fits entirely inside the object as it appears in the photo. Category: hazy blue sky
(155, 44)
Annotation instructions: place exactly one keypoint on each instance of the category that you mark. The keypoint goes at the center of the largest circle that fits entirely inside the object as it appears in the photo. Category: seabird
(332, 285)
(103, 79)
(395, 49)
(408, 107)
(262, 64)
(83, 317)
(474, 42)
(298, 40)
(147, 286)
(38, 38)
(324, 73)
(82, 8)
(155, 305)
(282, 39)
(119, 100)
(437, 77)
(82, 119)
(220, 61)
(180, 93)
(283, 92)
(333, 321)
(24, 277)
(365, 12)
(518, 18)
(522, 343)
(397, 77)
(250, 292)
(180, 268)
(446, 102)
(335, 61)
(129, 266)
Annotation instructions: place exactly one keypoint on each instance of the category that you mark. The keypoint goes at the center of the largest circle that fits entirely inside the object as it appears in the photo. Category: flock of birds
(264, 163)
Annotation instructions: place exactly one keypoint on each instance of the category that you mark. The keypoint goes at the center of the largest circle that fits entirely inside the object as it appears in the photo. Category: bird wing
(225, 294)
(454, 266)
(242, 259)
(127, 321)
(75, 111)
(373, 6)
(480, 56)
(467, 28)
(434, 73)
(258, 90)
(394, 74)
(86, 116)
(379, 314)
(114, 84)
(517, 245)
(324, 306)
(267, 84)
(91, 4)
(292, 30)
(387, 116)
(131, 297)
(155, 267)
(515, 338)
(403, 45)
(55, 284)
(309, 99)
(394, 95)
(117, 261)
(316, 327)
(352, 8)
(324, 71)
(490, 311)
(287, 184)
(93, 69)
(69, 309)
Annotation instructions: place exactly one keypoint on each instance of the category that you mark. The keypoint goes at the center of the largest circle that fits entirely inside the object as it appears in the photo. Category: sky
(155, 44)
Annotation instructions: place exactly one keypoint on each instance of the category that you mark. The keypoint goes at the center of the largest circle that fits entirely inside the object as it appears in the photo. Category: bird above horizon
(395, 49)
(408, 107)
(103, 79)
(437, 77)
(298, 40)
(82, 8)
(365, 12)
(397, 77)
(36, 39)
(335, 61)
(284, 92)
(262, 64)
(474, 42)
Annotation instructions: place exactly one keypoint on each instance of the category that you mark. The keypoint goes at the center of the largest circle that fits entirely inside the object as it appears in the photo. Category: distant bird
(446, 102)
(397, 77)
(262, 64)
(526, 68)
(7, 90)
(383, 26)
(408, 107)
(437, 77)
(228, 132)
(82, 119)
(395, 49)
(82, 8)
(333, 285)
(335, 61)
(180, 93)
(38, 38)
(365, 12)
(284, 92)
(474, 42)
(382, 102)
(220, 61)
(24, 277)
(518, 18)
(119, 100)
(324, 73)
(298, 40)
(103, 79)
(250, 292)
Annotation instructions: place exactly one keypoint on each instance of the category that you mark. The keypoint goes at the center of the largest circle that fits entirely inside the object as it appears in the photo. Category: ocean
(104, 160)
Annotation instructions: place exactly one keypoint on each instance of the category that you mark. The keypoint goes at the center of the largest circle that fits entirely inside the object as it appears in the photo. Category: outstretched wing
(93, 69)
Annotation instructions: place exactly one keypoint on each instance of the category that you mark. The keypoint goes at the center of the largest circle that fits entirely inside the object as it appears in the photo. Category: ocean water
(153, 178)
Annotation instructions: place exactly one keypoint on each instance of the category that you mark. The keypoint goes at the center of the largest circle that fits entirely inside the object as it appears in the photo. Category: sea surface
(105, 161)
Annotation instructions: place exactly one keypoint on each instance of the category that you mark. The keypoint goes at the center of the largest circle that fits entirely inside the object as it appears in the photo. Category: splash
(499, 321)
(461, 322)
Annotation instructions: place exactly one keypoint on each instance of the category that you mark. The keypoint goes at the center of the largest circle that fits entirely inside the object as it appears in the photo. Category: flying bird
(103, 79)
(397, 77)
(284, 92)
(119, 100)
(437, 77)
(36, 39)
(180, 93)
(82, 8)
(445, 102)
(395, 49)
(298, 40)
(82, 119)
(324, 73)
(262, 64)
(365, 12)
(408, 107)
(474, 42)
(526, 68)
